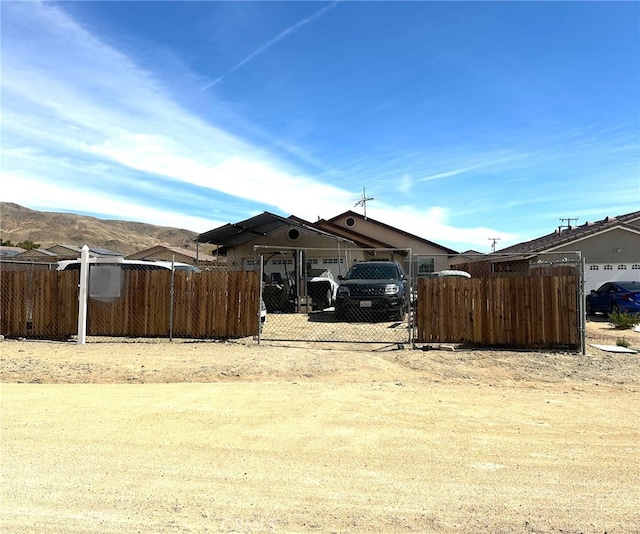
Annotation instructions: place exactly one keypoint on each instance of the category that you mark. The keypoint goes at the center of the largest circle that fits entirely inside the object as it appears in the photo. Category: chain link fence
(387, 296)
(329, 295)
(534, 301)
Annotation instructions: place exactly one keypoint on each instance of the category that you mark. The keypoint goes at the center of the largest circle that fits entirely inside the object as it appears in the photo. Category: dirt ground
(157, 436)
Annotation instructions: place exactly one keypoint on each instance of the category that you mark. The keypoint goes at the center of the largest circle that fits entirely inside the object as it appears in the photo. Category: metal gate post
(171, 296)
(582, 320)
(82, 295)
(260, 299)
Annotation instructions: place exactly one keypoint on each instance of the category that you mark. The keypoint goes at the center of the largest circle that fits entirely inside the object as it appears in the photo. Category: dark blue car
(614, 297)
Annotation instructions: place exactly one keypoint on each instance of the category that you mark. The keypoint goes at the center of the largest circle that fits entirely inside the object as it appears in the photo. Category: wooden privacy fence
(535, 311)
(211, 304)
(38, 304)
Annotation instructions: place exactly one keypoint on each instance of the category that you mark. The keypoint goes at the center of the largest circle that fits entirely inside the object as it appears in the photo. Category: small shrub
(622, 342)
(623, 321)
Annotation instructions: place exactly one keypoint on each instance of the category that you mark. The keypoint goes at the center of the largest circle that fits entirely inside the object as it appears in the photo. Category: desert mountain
(18, 224)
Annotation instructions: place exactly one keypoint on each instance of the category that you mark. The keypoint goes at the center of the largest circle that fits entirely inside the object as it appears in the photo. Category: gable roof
(93, 251)
(561, 237)
(36, 252)
(167, 250)
(7, 251)
(331, 223)
(266, 223)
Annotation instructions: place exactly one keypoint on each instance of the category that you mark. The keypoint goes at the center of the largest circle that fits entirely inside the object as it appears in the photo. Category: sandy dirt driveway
(235, 437)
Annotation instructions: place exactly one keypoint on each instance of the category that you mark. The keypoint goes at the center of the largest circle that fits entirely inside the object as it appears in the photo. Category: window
(608, 267)
(594, 267)
(327, 261)
(622, 267)
(425, 266)
(636, 266)
(350, 222)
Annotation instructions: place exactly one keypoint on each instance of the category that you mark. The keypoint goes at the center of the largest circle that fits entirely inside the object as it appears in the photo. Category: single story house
(179, 254)
(284, 243)
(7, 251)
(56, 253)
(610, 248)
(384, 239)
(332, 244)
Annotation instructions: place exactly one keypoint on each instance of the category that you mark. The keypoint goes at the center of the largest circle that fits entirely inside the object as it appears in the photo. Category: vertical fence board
(218, 301)
(233, 305)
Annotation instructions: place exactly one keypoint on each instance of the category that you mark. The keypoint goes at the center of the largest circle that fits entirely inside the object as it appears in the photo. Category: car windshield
(362, 271)
(629, 286)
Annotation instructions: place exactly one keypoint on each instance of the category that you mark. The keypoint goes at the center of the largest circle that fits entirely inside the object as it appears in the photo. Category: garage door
(597, 274)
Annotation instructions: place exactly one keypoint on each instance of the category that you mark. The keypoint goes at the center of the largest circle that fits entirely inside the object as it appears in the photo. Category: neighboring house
(183, 255)
(284, 242)
(73, 252)
(57, 253)
(37, 254)
(10, 252)
(610, 248)
(371, 234)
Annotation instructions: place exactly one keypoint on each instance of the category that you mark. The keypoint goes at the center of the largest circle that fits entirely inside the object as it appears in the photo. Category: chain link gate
(334, 295)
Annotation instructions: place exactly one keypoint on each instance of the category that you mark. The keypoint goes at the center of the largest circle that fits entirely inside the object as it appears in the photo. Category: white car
(447, 273)
(133, 265)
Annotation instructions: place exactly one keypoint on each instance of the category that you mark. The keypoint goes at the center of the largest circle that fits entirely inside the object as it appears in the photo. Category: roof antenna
(568, 225)
(363, 202)
(494, 240)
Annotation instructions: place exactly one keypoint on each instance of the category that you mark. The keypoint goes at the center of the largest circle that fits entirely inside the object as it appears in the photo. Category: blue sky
(465, 121)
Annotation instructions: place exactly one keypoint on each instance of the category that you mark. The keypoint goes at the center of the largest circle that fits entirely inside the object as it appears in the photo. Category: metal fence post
(260, 298)
(171, 296)
(582, 319)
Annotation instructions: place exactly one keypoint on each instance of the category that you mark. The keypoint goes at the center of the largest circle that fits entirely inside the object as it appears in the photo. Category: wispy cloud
(434, 224)
(121, 115)
(43, 194)
(487, 161)
(85, 128)
(284, 33)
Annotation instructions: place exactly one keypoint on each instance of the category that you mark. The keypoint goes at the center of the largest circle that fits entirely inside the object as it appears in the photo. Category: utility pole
(363, 202)
(494, 240)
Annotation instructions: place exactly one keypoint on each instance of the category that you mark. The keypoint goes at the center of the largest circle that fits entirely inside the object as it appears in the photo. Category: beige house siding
(321, 252)
(394, 238)
(327, 245)
(617, 245)
(611, 255)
